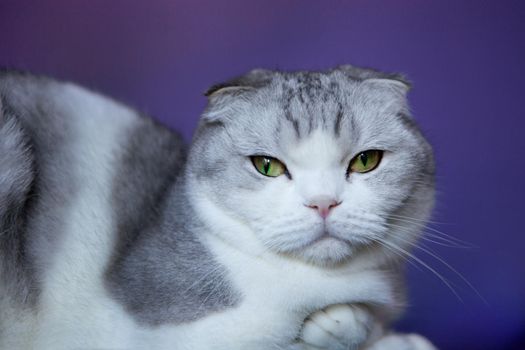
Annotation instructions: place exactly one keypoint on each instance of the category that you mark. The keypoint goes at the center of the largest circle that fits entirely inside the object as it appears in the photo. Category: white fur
(75, 311)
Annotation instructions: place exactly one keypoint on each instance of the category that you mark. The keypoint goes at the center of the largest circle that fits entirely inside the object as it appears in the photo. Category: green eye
(365, 161)
(268, 166)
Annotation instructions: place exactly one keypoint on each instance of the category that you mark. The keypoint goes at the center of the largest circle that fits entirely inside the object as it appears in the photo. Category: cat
(282, 226)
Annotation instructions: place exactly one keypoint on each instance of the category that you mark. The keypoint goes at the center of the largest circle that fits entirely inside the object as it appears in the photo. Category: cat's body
(112, 236)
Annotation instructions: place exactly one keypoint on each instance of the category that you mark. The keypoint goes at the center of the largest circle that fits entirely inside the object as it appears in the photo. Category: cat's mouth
(326, 248)
(326, 240)
(326, 236)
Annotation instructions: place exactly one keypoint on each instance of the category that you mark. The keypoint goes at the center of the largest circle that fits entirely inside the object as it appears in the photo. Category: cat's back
(79, 173)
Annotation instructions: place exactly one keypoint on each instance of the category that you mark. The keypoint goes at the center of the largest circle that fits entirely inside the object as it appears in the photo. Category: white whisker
(438, 234)
(421, 262)
(436, 238)
(441, 260)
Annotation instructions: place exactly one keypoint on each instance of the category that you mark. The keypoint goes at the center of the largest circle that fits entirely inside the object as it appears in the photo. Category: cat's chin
(326, 250)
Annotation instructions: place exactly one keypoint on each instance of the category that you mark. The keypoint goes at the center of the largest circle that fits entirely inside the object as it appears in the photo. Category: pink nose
(323, 204)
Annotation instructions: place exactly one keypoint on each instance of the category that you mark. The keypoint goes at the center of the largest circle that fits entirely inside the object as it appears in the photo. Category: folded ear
(398, 87)
(224, 96)
(394, 80)
(230, 87)
(251, 80)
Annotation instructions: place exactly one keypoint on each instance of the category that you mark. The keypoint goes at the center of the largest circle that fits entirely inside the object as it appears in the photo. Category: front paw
(402, 342)
(338, 327)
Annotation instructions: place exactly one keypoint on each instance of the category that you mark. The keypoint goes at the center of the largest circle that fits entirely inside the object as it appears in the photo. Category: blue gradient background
(466, 59)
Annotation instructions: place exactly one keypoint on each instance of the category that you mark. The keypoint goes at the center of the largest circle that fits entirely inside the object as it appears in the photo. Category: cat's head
(318, 165)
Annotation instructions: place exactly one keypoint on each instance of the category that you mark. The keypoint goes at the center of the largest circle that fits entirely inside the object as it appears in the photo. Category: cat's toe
(337, 327)
(402, 342)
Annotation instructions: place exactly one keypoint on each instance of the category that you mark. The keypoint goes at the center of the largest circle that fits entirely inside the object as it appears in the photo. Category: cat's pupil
(266, 165)
(364, 158)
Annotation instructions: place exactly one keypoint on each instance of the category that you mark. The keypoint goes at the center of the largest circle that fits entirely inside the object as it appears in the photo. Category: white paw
(402, 342)
(338, 327)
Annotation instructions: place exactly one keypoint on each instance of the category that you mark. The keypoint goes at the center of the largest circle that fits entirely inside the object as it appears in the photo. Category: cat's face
(318, 165)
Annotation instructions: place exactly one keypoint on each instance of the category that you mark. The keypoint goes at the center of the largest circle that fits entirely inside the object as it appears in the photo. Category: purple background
(466, 59)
